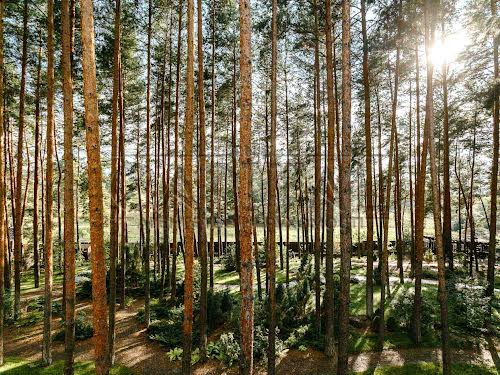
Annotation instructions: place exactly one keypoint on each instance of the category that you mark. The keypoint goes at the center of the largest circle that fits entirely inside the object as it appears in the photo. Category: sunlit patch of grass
(16, 366)
(428, 368)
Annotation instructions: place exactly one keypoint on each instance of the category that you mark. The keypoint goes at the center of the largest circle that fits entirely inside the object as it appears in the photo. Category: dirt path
(137, 352)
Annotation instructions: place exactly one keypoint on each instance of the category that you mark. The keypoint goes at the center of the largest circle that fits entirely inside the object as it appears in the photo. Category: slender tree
(188, 195)
(173, 283)
(245, 189)
(17, 218)
(148, 174)
(271, 197)
(48, 253)
(436, 198)
(202, 202)
(494, 171)
(448, 250)
(330, 349)
(368, 163)
(69, 208)
(36, 256)
(113, 220)
(317, 171)
(3, 245)
(212, 155)
(99, 298)
(345, 190)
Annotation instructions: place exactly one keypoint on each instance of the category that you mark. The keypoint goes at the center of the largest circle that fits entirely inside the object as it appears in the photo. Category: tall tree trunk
(317, 173)
(99, 298)
(271, 196)
(36, 256)
(420, 200)
(384, 277)
(122, 185)
(212, 154)
(48, 254)
(448, 249)
(69, 208)
(113, 220)
(330, 349)
(494, 173)
(3, 246)
(18, 227)
(234, 162)
(437, 201)
(245, 190)
(188, 195)
(148, 174)
(287, 130)
(173, 281)
(202, 203)
(368, 163)
(345, 190)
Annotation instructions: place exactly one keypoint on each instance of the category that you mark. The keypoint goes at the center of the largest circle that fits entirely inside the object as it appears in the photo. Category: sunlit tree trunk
(69, 209)
(147, 247)
(245, 189)
(368, 162)
(173, 281)
(494, 172)
(113, 220)
(188, 195)
(99, 298)
(448, 249)
(36, 256)
(212, 155)
(437, 201)
(330, 349)
(345, 190)
(48, 254)
(271, 197)
(3, 247)
(202, 203)
(18, 227)
(317, 173)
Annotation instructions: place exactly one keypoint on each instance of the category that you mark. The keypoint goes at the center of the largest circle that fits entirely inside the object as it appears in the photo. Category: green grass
(427, 368)
(17, 366)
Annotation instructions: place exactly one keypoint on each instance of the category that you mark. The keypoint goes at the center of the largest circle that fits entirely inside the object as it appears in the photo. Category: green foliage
(38, 303)
(401, 316)
(304, 336)
(219, 307)
(229, 349)
(261, 342)
(8, 305)
(229, 259)
(83, 328)
(468, 307)
(166, 332)
(175, 354)
(29, 319)
(84, 290)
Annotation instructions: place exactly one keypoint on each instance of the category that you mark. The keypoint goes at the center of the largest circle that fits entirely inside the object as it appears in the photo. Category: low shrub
(468, 306)
(219, 307)
(83, 328)
(401, 316)
(229, 259)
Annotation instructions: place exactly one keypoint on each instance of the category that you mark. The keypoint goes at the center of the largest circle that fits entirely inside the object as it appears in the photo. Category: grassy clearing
(17, 366)
(427, 368)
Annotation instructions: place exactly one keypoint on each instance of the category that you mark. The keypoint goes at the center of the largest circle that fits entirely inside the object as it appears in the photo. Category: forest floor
(137, 352)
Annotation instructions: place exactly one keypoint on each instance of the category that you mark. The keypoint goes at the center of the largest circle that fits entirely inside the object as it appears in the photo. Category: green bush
(84, 290)
(468, 307)
(8, 305)
(166, 332)
(219, 307)
(261, 342)
(401, 316)
(304, 336)
(83, 328)
(229, 259)
(29, 319)
(229, 349)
